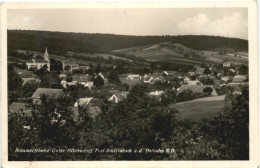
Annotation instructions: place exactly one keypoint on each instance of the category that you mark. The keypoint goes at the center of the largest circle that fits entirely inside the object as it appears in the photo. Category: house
(156, 94)
(69, 65)
(129, 82)
(197, 89)
(117, 96)
(20, 108)
(239, 79)
(191, 73)
(103, 77)
(28, 76)
(169, 73)
(133, 76)
(225, 78)
(49, 92)
(152, 78)
(226, 64)
(194, 82)
(62, 75)
(38, 63)
(84, 68)
(84, 80)
(200, 71)
(90, 106)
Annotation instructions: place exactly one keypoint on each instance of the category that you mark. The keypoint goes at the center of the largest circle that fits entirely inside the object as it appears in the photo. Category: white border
(253, 78)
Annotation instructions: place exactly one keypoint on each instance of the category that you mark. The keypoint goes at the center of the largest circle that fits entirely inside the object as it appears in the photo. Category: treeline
(60, 42)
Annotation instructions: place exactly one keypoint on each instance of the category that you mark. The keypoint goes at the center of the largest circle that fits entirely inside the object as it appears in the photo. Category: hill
(61, 42)
(175, 52)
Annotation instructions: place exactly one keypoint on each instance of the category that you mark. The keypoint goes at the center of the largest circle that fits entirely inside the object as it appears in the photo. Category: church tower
(46, 55)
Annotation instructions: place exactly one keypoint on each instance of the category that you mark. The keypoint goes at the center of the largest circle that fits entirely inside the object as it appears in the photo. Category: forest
(61, 42)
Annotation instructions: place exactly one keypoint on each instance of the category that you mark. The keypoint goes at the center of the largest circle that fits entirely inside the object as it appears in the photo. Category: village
(91, 85)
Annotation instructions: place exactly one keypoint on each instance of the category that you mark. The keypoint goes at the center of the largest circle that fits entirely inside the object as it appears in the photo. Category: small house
(89, 105)
(68, 65)
(117, 96)
(226, 64)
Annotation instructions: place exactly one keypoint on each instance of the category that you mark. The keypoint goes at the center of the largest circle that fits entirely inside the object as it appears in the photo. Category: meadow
(198, 109)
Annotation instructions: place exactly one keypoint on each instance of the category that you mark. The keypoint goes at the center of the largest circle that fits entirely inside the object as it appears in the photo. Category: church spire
(46, 55)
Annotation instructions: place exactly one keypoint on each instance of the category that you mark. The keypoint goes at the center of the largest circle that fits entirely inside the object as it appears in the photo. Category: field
(179, 53)
(198, 109)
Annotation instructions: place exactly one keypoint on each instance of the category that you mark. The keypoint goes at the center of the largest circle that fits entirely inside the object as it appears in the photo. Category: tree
(193, 77)
(15, 84)
(29, 88)
(42, 71)
(98, 81)
(185, 95)
(113, 77)
(243, 69)
(170, 96)
(207, 71)
(98, 69)
(69, 78)
(231, 127)
(208, 90)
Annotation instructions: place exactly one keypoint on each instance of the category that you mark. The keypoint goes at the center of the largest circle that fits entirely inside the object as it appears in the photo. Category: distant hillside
(60, 42)
(175, 52)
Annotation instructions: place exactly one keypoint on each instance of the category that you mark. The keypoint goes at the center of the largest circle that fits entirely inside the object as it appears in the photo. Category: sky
(227, 22)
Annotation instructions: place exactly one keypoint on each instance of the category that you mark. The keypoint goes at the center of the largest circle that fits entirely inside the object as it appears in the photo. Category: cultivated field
(185, 55)
(198, 109)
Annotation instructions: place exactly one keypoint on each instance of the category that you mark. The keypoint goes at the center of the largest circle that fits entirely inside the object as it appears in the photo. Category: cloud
(229, 26)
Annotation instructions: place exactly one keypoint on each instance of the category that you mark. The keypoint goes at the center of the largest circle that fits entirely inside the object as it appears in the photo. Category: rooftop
(49, 92)
(81, 78)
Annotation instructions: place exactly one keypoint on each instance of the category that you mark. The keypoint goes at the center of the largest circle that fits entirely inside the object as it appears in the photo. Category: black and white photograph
(128, 84)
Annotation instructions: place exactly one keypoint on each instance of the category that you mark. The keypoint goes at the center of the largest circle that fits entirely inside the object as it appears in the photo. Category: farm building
(197, 89)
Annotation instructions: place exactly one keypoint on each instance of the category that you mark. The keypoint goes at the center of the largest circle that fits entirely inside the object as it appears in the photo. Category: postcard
(129, 84)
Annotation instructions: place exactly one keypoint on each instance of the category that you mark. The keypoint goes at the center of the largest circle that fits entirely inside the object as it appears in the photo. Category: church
(38, 63)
